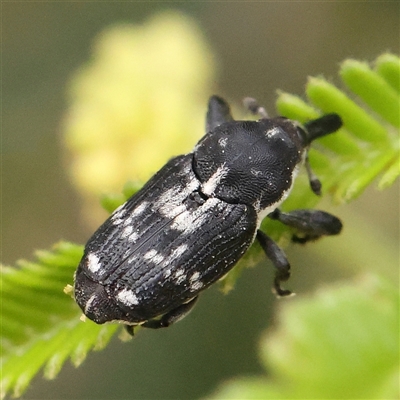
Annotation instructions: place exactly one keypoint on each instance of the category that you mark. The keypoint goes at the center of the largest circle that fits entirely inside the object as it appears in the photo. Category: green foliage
(349, 333)
(347, 162)
(111, 201)
(368, 145)
(40, 325)
(340, 343)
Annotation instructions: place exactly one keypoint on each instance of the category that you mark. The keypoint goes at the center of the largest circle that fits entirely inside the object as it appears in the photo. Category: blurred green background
(259, 48)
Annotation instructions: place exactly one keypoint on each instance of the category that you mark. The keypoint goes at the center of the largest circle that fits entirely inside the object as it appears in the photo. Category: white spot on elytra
(176, 253)
(150, 254)
(195, 283)
(89, 302)
(154, 256)
(117, 215)
(167, 273)
(209, 186)
(158, 259)
(196, 286)
(128, 221)
(194, 277)
(127, 231)
(170, 203)
(139, 209)
(191, 221)
(127, 297)
(93, 262)
(132, 259)
(133, 237)
(118, 212)
(180, 276)
(182, 222)
(171, 210)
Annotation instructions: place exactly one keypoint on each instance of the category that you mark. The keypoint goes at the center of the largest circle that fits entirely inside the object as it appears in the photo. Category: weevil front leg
(310, 224)
(315, 183)
(315, 129)
(278, 259)
(218, 112)
(172, 316)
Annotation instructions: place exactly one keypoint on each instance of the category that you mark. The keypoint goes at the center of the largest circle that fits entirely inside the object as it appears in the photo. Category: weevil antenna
(253, 106)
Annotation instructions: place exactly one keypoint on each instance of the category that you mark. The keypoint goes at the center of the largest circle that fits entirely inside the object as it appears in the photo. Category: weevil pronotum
(197, 216)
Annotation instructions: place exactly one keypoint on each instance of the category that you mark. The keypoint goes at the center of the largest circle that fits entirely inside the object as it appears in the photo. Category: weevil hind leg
(172, 316)
(310, 224)
(218, 112)
(278, 259)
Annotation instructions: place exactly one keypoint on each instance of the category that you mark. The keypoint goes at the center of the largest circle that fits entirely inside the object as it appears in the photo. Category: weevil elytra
(197, 216)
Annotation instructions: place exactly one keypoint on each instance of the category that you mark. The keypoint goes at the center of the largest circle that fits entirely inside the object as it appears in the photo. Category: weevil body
(196, 217)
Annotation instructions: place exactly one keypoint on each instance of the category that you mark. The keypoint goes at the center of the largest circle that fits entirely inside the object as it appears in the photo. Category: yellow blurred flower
(139, 101)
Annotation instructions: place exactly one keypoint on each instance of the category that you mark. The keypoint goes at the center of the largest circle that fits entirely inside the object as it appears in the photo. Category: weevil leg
(218, 112)
(172, 316)
(278, 258)
(317, 128)
(253, 106)
(310, 224)
(315, 183)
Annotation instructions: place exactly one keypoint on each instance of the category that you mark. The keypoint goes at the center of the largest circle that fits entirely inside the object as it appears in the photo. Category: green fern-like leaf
(368, 145)
(40, 325)
(37, 316)
(347, 162)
